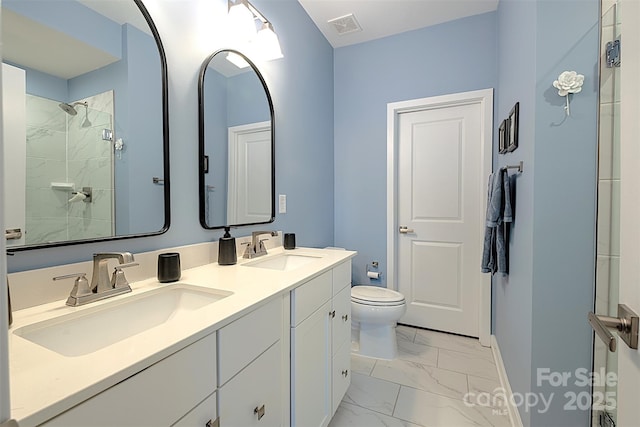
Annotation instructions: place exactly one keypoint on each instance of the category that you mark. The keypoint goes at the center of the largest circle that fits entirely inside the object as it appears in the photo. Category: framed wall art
(512, 128)
(502, 137)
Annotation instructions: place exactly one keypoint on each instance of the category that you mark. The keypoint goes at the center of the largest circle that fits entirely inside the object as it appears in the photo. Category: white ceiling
(382, 18)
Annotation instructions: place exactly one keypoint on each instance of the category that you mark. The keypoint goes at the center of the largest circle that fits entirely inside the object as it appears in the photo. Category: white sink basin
(92, 329)
(283, 262)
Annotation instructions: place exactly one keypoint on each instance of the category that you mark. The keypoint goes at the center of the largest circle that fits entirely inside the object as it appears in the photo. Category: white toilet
(374, 313)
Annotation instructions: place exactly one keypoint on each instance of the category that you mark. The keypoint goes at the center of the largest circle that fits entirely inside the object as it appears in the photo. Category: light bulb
(267, 43)
(241, 22)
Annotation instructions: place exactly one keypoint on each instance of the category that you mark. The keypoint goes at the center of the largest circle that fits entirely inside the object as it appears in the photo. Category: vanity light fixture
(267, 42)
(263, 44)
(241, 21)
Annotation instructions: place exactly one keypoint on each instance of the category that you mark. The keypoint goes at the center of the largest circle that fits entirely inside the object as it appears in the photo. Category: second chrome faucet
(257, 248)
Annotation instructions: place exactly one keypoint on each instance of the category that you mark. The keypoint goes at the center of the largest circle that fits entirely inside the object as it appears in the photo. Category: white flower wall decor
(568, 82)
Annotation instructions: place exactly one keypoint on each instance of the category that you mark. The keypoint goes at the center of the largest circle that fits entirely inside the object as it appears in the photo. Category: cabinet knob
(345, 373)
(332, 314)
(259, 411)
(345, 317)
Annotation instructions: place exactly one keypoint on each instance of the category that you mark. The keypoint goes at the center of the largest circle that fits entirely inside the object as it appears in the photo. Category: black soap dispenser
(227, 249)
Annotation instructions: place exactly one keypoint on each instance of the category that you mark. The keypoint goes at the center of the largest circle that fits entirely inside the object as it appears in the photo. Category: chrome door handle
(259, 411)
(626, 323)
(405, 230)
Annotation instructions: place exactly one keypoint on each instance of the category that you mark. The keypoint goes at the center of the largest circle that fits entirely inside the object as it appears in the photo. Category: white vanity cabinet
(157, 396)
(231, 378)
(320, 346)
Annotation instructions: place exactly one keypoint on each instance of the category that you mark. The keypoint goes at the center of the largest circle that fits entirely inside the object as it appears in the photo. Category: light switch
(282, 203)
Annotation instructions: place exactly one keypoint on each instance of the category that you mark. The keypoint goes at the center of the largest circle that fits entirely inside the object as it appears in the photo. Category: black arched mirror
(86, 123)
(236, 154)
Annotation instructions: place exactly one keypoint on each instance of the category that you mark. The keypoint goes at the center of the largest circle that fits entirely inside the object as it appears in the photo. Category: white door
(249, 184)
(443, 163)
(629, 359)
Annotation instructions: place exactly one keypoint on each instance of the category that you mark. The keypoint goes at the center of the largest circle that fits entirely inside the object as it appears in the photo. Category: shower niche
(67, 156)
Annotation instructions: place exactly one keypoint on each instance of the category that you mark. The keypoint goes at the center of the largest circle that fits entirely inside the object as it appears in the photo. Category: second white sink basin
(283, 262)
(92, 329)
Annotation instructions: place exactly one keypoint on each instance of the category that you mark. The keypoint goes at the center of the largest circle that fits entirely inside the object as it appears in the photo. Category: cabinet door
(310, 372)
(254, 397)
(203, 415)
(341, 322)
(340, 374)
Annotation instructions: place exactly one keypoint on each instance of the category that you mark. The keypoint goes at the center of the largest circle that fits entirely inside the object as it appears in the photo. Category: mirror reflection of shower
(65, 152)
(71, 110)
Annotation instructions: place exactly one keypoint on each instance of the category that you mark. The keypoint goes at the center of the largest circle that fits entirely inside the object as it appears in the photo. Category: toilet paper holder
(372, 272)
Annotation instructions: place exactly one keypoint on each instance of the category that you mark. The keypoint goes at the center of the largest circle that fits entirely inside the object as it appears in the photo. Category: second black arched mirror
(236, 151)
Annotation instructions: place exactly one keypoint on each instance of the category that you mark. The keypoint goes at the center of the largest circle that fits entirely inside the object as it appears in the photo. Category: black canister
(169, 267)
(227, 249)
(289, 240)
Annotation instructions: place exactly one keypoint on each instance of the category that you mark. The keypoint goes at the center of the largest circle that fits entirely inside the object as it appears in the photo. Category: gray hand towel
(495, 253)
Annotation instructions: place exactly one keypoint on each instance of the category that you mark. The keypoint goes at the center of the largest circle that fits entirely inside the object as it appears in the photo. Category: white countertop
(45, 383)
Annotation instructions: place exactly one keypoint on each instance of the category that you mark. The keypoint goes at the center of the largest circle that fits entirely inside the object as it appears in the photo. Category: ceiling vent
(345, 24)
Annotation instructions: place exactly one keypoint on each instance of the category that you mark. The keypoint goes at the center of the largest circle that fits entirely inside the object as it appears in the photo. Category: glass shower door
(605, 363)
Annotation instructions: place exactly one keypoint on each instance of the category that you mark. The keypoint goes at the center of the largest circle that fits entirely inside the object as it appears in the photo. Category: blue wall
(512, 296)
(540, 310)
(301, 84)
(411, 65)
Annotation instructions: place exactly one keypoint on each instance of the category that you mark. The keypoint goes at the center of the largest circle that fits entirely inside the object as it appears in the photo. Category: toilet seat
(376, 296)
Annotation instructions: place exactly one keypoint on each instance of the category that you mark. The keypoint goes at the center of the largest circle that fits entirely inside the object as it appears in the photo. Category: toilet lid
(375, 295)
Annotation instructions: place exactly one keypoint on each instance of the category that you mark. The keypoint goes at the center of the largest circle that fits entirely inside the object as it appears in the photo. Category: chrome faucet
(101, 286)
(100, 281)
(256, 248)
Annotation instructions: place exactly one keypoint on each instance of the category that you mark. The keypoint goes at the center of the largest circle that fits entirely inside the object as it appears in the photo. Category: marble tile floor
(427, 385)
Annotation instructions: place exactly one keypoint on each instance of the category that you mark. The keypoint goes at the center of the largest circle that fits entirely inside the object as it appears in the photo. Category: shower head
(68, 108)
(71, 110)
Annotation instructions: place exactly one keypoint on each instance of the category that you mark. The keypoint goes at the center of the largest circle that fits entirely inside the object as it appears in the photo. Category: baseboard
(514, 415)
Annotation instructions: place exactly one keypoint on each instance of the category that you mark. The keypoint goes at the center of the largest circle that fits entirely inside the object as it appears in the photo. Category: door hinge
(613, 54)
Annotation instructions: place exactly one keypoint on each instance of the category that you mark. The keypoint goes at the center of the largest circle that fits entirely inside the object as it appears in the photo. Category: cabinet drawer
(156, 396)
(341, 322)
(307, 298)
(341, 374)
(258, 387)
(341, 276)
(205, 412)
(246, 338)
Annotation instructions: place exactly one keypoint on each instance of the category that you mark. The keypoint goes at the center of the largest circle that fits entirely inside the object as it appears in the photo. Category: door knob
(626, 323)
(405, 230)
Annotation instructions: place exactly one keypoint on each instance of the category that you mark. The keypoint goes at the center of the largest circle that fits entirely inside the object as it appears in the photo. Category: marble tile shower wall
(90, 164)
(59, 149)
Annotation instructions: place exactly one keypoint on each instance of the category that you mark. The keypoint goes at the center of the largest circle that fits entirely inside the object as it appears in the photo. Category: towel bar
(520, 166)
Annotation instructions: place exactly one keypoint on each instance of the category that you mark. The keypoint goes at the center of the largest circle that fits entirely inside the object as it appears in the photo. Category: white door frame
(483, 97)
